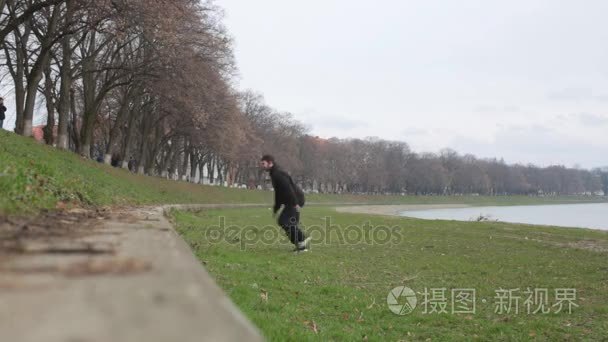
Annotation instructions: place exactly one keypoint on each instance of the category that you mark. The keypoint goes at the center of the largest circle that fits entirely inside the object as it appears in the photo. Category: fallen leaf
(314, 327)
(264, 295)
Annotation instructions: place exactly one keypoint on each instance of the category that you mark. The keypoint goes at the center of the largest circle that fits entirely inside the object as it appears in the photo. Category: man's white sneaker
(304, 244)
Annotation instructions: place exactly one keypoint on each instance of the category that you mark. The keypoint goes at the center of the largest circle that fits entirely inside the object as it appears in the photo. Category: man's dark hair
(268, 158)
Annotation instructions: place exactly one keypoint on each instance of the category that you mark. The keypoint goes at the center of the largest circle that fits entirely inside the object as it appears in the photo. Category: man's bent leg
(289, 220)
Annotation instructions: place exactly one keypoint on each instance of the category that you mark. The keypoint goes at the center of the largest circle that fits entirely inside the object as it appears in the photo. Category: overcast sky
(526, 80)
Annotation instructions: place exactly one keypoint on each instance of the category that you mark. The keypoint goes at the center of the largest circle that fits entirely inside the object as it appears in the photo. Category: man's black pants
(289, 220)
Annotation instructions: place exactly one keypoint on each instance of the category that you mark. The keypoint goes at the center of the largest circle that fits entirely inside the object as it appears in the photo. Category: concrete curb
(150, 287)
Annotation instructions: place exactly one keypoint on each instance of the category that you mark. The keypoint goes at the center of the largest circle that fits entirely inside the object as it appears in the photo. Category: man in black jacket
(287, 194)
(2, 112)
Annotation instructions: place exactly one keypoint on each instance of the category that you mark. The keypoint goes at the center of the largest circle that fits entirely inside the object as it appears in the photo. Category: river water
(593, 216)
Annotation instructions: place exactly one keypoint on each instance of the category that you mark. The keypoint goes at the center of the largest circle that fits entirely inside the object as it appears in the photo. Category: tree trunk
(64, 94)
(211, 170)
(144, 146)
(193, 165)
(19, 75)
(75, 131)
(49, 129)
(121, 117)
(128, 140)
(88, 117)
(33, 79)
(201, 172)
(186, 156)
(30, 102)
(90, 97)
(65, 73)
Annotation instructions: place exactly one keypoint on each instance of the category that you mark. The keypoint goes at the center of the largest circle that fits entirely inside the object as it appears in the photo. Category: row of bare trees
(379, 166)
(122, 79)
(374, 165)
(148, 84)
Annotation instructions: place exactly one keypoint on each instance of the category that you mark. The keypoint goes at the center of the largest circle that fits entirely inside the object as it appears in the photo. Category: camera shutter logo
(401, 300)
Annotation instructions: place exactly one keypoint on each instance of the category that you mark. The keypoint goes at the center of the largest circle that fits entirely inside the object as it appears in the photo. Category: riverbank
(395, 210)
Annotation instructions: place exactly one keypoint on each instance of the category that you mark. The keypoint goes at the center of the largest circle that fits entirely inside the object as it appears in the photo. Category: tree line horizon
(153, 82)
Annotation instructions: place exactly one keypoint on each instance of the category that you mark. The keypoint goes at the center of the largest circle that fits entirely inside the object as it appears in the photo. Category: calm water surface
(593, 216)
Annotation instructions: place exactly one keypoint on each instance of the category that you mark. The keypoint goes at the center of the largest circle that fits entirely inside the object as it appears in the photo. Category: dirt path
(95, 275)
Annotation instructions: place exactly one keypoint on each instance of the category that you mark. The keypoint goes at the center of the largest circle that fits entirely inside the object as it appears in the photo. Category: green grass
(34, 176)
(342, 286)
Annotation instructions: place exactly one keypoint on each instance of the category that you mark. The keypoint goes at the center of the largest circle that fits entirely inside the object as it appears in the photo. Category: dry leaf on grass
(312, 325)
(372, 304)
(264, 295)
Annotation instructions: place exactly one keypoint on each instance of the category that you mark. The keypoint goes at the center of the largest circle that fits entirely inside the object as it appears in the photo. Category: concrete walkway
(126, 277)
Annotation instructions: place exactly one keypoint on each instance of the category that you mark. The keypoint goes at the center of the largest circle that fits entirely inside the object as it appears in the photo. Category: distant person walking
(2, 112)
(286, 193)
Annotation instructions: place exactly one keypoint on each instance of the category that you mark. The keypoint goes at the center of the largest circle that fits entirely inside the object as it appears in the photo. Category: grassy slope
(34, 176)
(342, 287)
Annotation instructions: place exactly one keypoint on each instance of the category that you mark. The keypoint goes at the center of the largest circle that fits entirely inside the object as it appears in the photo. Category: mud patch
(17, 232)
(63, 247)
(67, 243)
(113, 266)
(89, 267)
